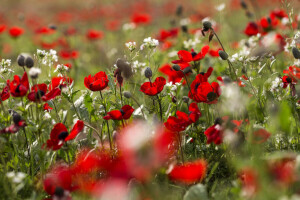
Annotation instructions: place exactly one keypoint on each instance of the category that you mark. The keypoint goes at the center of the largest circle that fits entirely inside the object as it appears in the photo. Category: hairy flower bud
(148, 72)
(21, 60)
(176, 67)
(223, 55)
(127, 94)
(207, 25)
(296, 53)
(29, 62)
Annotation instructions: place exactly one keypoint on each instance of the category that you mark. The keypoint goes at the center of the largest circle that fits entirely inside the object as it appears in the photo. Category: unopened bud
(243, 4)
(223, 55)
(148, 72)
(187, 70)
(296, 53)
(179, 10)
(184, 28)
(207, 25)
(16, 117)
(176, 67)
(29, 62)
(174, 99)
(127, 94)
(21, 60)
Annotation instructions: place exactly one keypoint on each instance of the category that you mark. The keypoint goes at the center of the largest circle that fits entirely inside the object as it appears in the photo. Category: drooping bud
(187, 70)
(16, 117)
(207, 25)
(244, 5)
(29, 62)
(148, 72)
(174, 99)
(127, 94)
(179, 10)
(176, 67)
(21, 60)
(223, 55)
(296, 53)
(185, 99)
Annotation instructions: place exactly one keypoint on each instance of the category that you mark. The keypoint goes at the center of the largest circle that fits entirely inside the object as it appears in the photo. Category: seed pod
(187, 70)
(244, 5)
(223, 55)
(16, 117)
(127, 94)
(21, 60)
(176, 67)
(207, 25)
(296, 53)
(148, 72)
(29, 62)
(185, 99)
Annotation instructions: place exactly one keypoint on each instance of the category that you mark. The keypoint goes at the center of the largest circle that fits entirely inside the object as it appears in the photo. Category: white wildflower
(131, 45)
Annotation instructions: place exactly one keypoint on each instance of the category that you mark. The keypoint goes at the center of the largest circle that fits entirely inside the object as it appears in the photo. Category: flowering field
(150, 100)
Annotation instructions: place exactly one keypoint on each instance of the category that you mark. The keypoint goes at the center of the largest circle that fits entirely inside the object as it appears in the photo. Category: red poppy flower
(39, 92)
(19, 86)
(97, 82)
(165, 34)
(293, 72)
(16, 31)
(124, 113)
(139, 18)
(60, 134)
(173, 76)
(153, 88)
(69, 54)
(2, 28)
(283, 170)
(260, 136)
(48, 45)
(4, 94)
(44, 30)
(251, 29)
(205, 92)
(60, 82)
(249, 179)
(94, 34)
(46, 107)
(189, 173)
(186, 56)
(215, 133)
(183, 120)
(278, 13)
(214, 53)
(287, 80)
(112, 25)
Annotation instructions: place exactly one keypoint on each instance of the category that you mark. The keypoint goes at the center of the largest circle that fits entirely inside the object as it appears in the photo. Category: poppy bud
(127, 94)
(187, 70)
(179, 10)
(207, 25)
(174, 99)
(296, 53)
(34, 72)
(148, 72)
(243, 4)
(16, 117)
(185, 99)
(223, 55)
(29, 62)
(184, 28)
(21, 60)
(176, 67)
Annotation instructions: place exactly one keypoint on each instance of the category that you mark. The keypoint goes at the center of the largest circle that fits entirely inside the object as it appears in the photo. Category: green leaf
(88, 102)
(284, 117)
(196, 192)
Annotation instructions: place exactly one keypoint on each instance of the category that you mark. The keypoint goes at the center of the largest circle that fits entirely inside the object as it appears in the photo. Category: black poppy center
(197, 85)
(122, 112)
(59, 192)
(202, 73)
(39, 94)
(18, 89)
(288, 79)
(211, 96)
(194, 54)
(63, 135)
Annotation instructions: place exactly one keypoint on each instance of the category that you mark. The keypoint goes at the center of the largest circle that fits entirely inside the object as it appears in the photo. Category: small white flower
(34, 72)
(129, 26)
(220, 7)
(150, 43)
(131, 45)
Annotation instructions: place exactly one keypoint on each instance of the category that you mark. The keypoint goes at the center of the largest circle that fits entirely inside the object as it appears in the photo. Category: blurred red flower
(46, 107)
(186, 56)
(251, 29)
(2, 28)
(4, 94)
(94, 34)
(140, 18)
(16, 31)
(189, 173)
(39, 92)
